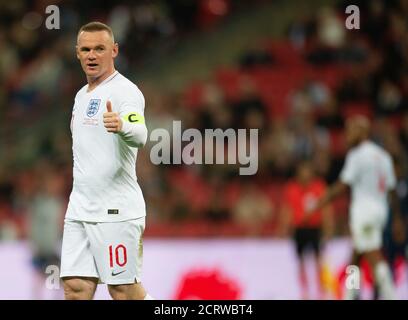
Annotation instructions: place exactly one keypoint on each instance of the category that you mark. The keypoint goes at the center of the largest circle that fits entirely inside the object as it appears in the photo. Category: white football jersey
(369, 171)
(105, 187)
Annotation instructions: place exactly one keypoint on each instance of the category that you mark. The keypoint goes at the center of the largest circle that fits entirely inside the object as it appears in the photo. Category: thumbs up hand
(111, 120)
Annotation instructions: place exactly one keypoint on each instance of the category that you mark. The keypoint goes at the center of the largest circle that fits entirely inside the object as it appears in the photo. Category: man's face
(352, 134)
(305, 173)
(96, 51)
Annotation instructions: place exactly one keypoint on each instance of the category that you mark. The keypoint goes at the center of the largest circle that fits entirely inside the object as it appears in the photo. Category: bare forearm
(395, 205)
(333, 192)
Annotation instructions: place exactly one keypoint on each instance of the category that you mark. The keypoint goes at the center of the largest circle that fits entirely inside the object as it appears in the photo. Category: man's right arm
(394, 203)
(397, 220)
(347, 177)
(333, 192)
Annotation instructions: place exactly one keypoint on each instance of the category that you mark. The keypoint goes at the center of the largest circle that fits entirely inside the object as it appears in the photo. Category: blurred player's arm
(327, 222)
(398, 225)
(394, 203)
(397, 220)
(348, 175)
(335, 190)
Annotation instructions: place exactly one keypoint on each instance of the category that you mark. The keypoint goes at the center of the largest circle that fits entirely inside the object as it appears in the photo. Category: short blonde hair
(96, 26)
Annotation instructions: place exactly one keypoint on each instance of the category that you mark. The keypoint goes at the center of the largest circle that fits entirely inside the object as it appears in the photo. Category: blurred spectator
(277, 149)
(386, 135)
(212, 107)
(253, 209)
(248, 101)
(46, 210)
(256, 56)
(8, 59)
(318, 92)
(375, 24)
(184, 14)
(404, 132)
(330, 37)
(389, 99)
(217, 210)
(356, 87)
(328, 69)
(329, 115)
(211, 12)
(330, 29)
(309, 138)
(301, 30)
(301, 101)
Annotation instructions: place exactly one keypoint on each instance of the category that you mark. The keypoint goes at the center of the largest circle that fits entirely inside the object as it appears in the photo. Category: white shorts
(112, 252)
(367, 231)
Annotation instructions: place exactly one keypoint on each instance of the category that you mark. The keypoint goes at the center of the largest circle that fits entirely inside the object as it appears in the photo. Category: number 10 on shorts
(118, 254)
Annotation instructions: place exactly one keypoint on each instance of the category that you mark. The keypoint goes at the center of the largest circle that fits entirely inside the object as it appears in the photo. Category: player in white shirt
(369, 172)
(105, 218)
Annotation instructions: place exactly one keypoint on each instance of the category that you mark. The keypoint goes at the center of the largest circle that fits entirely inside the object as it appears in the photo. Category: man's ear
(115, 50)
(77, 52)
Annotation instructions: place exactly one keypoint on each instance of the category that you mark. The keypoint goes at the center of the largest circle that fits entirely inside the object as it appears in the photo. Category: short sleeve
(349, 172)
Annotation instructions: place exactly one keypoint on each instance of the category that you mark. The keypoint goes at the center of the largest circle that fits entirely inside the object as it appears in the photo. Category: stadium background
(288, 68)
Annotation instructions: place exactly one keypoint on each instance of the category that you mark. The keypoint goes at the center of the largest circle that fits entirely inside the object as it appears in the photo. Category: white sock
(385, 282)
(148, 297)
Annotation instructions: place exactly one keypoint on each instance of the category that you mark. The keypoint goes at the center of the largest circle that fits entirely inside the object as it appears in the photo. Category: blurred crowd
(296, 91)
(40, 75)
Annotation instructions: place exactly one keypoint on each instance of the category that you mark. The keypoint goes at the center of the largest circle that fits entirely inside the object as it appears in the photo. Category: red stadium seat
(286, 54)
(193, 95)
(331, 75)
(228, 80)
(337, 142)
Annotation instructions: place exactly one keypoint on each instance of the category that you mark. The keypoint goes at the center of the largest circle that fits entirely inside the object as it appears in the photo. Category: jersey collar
(113, 75)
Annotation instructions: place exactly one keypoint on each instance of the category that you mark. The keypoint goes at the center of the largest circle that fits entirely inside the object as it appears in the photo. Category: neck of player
(93, 82)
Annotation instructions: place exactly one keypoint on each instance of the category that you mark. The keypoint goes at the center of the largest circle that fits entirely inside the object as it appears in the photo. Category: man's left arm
(397, 220)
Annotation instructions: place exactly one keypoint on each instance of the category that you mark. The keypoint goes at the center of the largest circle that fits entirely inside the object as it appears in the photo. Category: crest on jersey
(93, 107)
